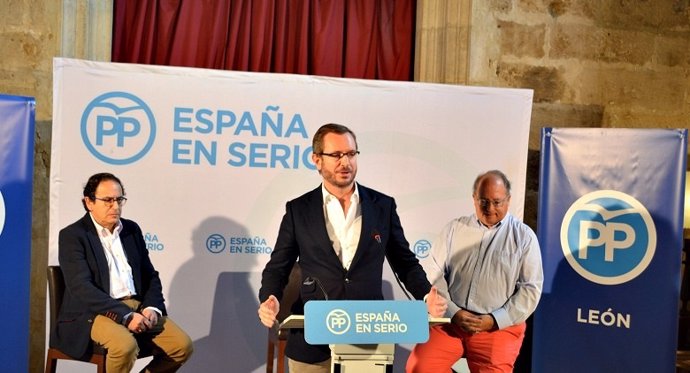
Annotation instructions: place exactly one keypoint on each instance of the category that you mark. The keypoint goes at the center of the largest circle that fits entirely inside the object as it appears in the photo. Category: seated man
(113, 293)
(488, 266)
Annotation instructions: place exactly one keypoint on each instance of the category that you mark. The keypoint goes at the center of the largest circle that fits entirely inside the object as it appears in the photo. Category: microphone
(377, 236)
(309, 281)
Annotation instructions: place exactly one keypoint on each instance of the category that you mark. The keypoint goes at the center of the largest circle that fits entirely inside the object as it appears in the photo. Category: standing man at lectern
(488, 266)
(113, 293)
(340, 232)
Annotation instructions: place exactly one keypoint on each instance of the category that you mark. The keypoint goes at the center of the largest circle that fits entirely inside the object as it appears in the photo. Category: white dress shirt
(121, 280)
(344, 227)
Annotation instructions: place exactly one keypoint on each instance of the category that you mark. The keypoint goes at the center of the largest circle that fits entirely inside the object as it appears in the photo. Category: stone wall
(591, 63)
(29, 38)
(595, 63)
(32, 32)
(624, 62)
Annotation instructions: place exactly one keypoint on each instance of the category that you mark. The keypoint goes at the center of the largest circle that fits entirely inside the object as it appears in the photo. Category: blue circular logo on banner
(608, 237)
(338, 322)
(422, 248)
(215, 243)
(118, 128)
(2, 212)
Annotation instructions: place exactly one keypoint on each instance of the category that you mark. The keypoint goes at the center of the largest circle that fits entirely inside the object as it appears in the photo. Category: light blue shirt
(495, 270)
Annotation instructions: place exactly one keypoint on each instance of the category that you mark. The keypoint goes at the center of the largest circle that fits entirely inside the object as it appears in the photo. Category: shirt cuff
(127, 319)
(160, 314)
(502, 318)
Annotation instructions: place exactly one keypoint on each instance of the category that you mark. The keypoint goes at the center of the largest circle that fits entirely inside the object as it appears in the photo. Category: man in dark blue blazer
(113, 293)
(340, 232)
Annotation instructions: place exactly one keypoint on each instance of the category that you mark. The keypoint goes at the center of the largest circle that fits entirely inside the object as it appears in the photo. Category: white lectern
(374, 328)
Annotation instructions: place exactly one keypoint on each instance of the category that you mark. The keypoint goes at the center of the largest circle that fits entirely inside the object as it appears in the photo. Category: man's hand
(138, 323)
(472, 323)
(436, 305)
(268, 311)
(150, 318)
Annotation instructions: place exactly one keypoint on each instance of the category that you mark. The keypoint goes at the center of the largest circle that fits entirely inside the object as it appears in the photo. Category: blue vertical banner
(16, 184)
(610, 228)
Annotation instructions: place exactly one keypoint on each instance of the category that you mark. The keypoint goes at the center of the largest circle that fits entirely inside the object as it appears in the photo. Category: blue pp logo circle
(215, 243)
(608, 237)
(422, 248)
(118, 128)
(2, 212)
(338, 321)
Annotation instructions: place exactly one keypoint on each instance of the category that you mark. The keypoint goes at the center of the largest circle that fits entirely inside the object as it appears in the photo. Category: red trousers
(486, 352)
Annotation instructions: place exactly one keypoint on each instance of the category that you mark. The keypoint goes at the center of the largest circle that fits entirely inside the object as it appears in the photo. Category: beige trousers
(295, 366)
(172, 345)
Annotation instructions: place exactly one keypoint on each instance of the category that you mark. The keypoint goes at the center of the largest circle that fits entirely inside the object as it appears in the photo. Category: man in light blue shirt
(488, 266)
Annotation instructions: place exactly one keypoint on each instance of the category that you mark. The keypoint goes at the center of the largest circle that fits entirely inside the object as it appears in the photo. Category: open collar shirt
(121, 279)
(488, 270)
(343, 227)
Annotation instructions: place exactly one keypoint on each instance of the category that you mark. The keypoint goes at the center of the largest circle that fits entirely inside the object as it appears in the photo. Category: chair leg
(281, 356)
(51, 364)
(269, 356)
(100, 363)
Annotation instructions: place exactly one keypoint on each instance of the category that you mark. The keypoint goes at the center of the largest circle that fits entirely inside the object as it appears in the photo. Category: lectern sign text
(365, 322)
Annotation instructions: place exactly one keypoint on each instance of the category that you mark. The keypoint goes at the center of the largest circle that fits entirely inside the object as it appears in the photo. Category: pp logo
(422, 248)
(118, 128)
(2, 213)
(608, 237)
(215, 243)
(338, 322)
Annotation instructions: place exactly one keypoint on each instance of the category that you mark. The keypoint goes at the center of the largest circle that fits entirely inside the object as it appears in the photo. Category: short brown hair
(317, 142)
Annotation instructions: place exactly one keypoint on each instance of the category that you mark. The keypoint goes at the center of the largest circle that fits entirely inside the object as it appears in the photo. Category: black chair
(56, 291)
(278, 338)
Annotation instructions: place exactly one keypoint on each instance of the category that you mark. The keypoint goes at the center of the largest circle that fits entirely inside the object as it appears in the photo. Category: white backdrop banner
(208, 159)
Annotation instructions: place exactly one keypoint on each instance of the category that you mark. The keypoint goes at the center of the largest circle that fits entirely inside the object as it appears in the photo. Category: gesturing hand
(268, 311)
(436, 305)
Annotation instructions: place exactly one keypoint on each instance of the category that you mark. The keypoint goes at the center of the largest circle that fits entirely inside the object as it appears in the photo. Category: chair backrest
(56, 290)
(291, 292)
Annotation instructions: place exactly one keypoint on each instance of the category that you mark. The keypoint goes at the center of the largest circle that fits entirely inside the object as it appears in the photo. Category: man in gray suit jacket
(340, 232)
(113, 293)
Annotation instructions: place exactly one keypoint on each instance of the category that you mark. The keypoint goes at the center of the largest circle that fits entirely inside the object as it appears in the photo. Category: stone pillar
(442, 41)
(84, 30)
(87, 29)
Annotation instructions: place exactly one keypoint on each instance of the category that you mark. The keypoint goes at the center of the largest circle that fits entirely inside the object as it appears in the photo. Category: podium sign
(365, 322)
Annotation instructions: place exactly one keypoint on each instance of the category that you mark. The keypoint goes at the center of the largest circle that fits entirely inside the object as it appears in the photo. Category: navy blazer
(303, 237)
(87, 283)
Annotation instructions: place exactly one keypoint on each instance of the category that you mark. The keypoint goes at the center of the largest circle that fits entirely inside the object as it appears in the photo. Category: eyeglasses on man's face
(339, 155)
(108, 201)
(483, 202)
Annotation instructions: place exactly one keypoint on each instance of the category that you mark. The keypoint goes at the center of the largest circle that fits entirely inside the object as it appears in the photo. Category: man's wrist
(155, 309)
(127, 319)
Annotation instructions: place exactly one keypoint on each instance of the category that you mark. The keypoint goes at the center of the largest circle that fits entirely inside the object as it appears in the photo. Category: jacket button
(347, 280)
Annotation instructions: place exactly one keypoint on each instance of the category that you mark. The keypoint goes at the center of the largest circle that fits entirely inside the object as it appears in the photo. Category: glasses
(483, 202)
(339, 155)
(110, 200)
